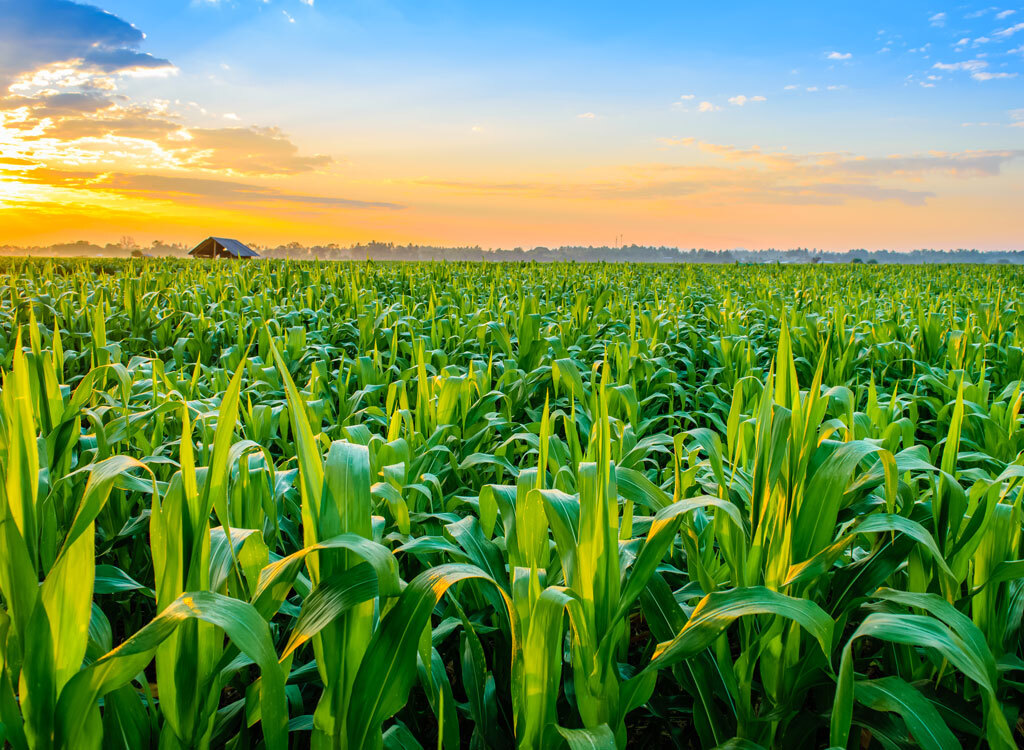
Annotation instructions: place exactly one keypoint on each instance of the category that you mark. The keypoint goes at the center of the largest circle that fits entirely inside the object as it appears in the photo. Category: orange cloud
(69, 136)
(750, 175)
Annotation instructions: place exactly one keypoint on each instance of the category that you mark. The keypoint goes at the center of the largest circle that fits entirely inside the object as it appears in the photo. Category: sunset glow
(894, 125)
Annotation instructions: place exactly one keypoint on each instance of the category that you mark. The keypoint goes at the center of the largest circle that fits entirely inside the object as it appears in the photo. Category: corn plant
(334, 505)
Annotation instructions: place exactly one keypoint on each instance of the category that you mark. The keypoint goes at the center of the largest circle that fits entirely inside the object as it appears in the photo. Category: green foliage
(523, 506)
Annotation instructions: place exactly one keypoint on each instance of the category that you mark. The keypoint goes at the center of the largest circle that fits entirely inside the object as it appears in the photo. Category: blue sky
(462, 111)
(619, 55)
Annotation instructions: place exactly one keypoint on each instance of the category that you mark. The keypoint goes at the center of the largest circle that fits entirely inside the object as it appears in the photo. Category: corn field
(351, 505)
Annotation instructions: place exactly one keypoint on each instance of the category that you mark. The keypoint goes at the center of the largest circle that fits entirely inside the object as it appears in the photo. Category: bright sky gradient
(740, 124)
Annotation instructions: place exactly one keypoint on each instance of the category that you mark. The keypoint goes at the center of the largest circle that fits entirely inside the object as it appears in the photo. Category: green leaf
(97, 490)
(240, 621)
(596, 738)
(112, 580)
(925, 632)
(874, 524)
(277, 578)
(892, 694)
(388, 669)
(333, 597)
(718, 610)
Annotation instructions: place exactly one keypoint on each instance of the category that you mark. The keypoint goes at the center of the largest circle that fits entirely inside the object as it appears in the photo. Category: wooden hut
(222, 247)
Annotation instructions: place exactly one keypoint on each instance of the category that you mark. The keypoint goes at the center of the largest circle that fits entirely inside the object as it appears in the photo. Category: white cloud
(474, 129)
(587, 116)
(1016, 51)
(688, 141)
(962, 42)
(1005, 14)
(288, 16)
(812, 88)
(1009, 31)
(686, 97)
(839, 55)
(74, 44)
(982, 40)
(739, 100)
(707, 107)
(971, 65)
(990, 76)
(231, 116)
(939, 19)
(790, 87)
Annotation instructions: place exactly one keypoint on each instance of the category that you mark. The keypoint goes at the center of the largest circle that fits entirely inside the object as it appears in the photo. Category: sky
(832, 125)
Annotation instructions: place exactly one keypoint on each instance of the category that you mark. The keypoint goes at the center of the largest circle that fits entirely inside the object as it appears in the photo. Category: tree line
(385, 251)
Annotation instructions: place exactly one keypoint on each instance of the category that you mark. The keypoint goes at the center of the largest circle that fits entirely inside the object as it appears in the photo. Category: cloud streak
(971, 65)
(751, 176)
(197, 190)
(1009, 31)
(977, 69)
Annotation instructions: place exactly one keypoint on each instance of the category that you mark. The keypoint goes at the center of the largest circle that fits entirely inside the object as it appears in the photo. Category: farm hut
(222, 247)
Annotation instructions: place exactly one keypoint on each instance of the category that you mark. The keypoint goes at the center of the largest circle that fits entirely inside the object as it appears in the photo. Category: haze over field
(895, 125)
